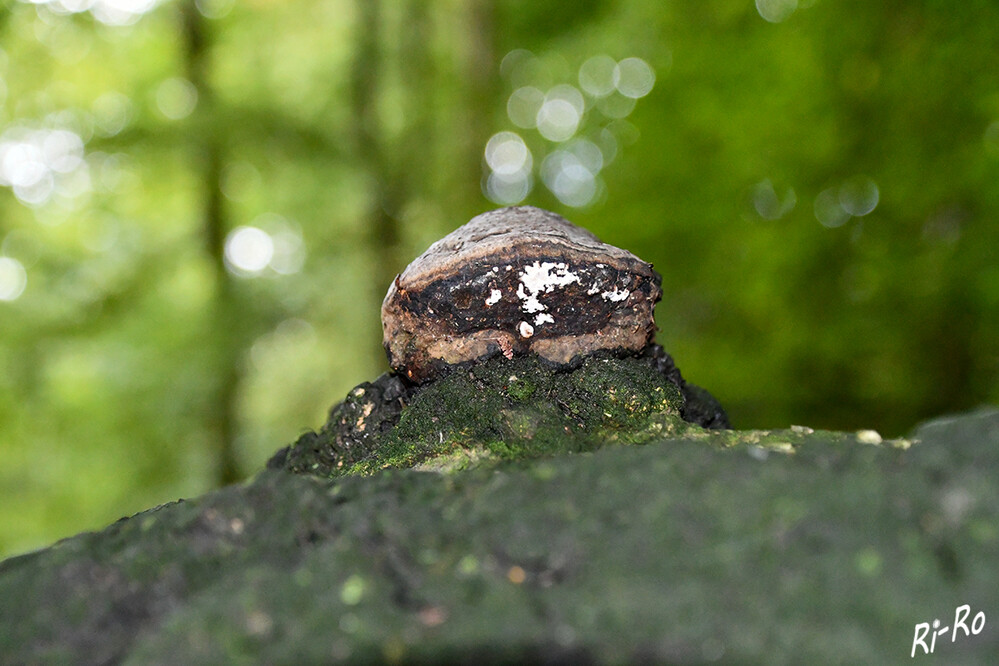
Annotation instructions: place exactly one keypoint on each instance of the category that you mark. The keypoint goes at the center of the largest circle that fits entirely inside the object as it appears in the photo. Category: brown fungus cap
(515, 281)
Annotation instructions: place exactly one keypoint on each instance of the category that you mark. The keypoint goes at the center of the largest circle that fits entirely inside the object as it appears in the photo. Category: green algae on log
(514, 281)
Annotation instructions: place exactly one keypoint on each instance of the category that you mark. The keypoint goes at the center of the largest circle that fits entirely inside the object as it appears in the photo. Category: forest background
(203, 202)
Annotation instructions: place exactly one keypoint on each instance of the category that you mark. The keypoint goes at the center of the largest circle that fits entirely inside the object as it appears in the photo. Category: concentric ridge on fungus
(514, 281)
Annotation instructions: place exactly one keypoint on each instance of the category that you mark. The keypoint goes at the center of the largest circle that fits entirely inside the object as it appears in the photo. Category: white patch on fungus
(531, 302)
(526, 330)
(615, 295)
(494, 296)
(542, 278)
(542, 318)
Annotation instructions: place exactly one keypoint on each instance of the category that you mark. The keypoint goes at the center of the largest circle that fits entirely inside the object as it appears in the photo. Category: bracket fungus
(515, 281)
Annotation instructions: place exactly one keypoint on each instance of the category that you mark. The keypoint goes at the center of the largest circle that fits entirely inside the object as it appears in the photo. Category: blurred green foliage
(140, 363)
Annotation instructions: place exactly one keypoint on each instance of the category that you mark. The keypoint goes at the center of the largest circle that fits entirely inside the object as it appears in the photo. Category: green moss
(520, 389)
(521, 408)
(517, 409)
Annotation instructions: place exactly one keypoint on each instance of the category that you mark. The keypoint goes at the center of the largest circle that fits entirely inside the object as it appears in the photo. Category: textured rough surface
(502, 408)
(499, 410)
(777, 547)
(513, 281)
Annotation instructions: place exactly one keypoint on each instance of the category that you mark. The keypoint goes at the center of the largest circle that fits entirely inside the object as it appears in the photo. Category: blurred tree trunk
(208, 147)
(390, 165)
(419, 81)
(401, 167)
(480, 82)
(382, 227)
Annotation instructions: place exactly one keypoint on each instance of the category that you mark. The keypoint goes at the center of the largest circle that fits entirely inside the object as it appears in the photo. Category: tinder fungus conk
(515, 281)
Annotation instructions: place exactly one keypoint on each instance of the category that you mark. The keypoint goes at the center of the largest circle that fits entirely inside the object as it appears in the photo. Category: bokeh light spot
(575, 185)
(112, 113)
(510, 163)
(616, 105)
(289, 252)
(214, 9)
(507, 191)
(596, 75)
(568, 178)
(607, 143)
(513, 60)
(521, 68)
(507, 154)
(21, 162)
(289, 246)
(75, 184)
(62, 150)
(120, 12)
(560, 114)
(109, 12)
(13, 279)
(176, 98)
(37, 192)
(634, 78)
(859, 196)
(34, 162)
(828, 210)
(523, 106)
(588, 154)
(776, 11)
(248, 250)
(768, 204)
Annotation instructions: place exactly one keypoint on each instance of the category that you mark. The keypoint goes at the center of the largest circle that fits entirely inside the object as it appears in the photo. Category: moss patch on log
(498, 410)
